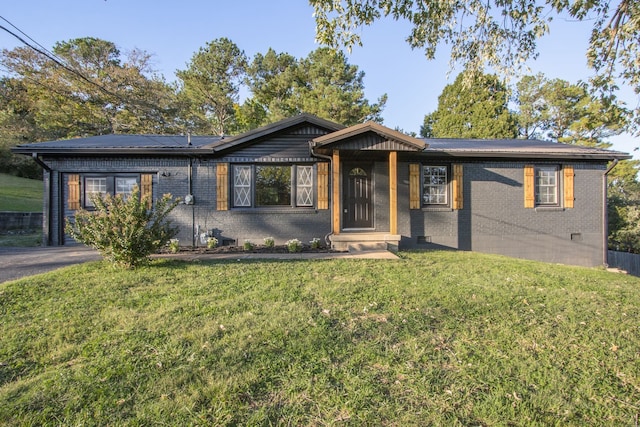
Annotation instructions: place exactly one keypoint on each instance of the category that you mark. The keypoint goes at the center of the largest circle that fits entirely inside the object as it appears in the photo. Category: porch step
(369, 246)
(361, 242)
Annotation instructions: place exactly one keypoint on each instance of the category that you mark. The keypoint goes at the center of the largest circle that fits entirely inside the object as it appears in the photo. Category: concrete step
(361, 242)
(367, 246)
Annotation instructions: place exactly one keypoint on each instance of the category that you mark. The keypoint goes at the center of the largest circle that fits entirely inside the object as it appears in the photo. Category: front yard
(435, 338)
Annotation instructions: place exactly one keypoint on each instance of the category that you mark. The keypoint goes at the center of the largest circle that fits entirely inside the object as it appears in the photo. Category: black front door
(357, 197)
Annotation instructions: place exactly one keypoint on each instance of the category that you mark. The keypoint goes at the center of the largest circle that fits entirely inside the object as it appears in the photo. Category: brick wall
(494, 218)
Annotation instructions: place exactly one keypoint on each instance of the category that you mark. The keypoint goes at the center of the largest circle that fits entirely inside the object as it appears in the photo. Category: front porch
(364, 185)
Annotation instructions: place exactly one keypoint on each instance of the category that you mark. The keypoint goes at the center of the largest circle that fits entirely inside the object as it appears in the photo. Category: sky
(174, 30)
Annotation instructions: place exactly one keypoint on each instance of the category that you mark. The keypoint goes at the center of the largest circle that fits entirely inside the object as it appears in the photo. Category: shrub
(269, 242)
(248, 246)
(294, 245)
(212, 242)
(315, 243)
(125, 231)
(174, 246)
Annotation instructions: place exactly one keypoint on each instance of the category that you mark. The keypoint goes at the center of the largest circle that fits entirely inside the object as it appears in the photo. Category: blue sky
(174, 31)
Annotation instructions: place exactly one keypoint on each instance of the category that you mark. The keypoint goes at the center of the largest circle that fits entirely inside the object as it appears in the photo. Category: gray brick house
(305, 177)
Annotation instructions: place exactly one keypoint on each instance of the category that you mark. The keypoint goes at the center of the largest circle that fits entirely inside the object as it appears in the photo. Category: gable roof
(366, 136)
(255, 135)
(390, 139)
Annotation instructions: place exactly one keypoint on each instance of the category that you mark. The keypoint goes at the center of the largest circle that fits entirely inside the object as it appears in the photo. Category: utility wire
(60, 62)
(50, 54)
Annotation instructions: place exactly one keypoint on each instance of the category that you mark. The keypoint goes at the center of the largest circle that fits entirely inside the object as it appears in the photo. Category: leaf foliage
(125, 231)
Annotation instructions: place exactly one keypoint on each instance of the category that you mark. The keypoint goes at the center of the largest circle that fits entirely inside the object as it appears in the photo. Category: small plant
(212, 242)
(269, 242)
(247, 246)
(315, 243)
(174, 246)
(294, 245)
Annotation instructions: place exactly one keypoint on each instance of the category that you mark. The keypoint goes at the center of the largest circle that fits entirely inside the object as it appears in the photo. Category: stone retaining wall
(20, 221)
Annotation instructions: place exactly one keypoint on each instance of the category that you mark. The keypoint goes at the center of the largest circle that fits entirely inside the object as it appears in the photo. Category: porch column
(393, 192)
(335, 167)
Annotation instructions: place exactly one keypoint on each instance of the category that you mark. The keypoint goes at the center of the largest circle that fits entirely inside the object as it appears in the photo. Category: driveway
(20, 262)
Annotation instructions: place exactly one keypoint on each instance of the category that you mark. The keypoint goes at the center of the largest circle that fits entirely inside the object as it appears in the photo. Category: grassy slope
(20, 194)
(435, 338)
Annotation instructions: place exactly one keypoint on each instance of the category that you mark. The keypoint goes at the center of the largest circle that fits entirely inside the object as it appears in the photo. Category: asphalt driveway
(20, 262)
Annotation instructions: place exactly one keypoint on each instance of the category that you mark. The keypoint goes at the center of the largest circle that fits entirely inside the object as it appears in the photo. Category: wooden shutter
(414, 186)
(222, 187)
(323, 185)
(146, 188)
(74, 192)
(568, 186)
(529, 187)
(458, 200)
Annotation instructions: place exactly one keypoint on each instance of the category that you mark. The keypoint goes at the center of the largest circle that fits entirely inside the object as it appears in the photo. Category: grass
(436, 338)
(20, 194)
(27, 239)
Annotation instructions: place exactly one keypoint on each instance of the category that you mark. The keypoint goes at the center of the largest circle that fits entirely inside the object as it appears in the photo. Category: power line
(61, 63)
(51, 54)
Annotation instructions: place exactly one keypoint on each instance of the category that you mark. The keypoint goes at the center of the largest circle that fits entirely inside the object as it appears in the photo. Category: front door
(357, 196)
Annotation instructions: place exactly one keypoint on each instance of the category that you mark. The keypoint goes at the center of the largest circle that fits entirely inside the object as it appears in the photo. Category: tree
(88, 88)
(272, 79)
(323, 83)
(477, 109)
(330, 87)
(211, 87)
(125, 231)
(556, 110)
(495, 33)
(16, 126)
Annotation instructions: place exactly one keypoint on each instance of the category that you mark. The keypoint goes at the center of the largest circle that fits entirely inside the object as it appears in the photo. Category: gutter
(605, 214)
(327, 238)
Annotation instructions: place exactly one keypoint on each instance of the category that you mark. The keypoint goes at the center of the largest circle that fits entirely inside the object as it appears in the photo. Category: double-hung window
(272, 185)
(435, 185)
(546, 185)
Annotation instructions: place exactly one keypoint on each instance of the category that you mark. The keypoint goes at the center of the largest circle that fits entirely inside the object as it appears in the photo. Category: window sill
(276, 210)
(549, 209)
(437, 209)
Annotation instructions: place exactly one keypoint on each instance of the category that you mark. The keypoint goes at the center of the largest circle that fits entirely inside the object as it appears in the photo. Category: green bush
(294, 245)
(125, 232)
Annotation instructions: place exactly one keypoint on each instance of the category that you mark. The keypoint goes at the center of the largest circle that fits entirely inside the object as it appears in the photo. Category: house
(364, 185)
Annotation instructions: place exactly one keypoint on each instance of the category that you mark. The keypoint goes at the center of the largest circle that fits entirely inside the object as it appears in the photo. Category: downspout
(46, 208)
(193, 208)
(605, 214)
(327, 238)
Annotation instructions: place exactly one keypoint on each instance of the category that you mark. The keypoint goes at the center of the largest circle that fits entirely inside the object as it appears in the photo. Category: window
(125, 186)
(93, 187)
(434, 185)
(304, 186)
(101, 185)
(546, 186)
(242, 186)
(273, 185)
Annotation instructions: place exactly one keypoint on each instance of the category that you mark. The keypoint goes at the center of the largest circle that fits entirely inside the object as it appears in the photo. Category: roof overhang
(369, 136)
(255, 135)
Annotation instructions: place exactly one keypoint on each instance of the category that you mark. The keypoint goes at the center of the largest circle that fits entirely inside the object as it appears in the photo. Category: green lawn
(436, 338)
(20, 194)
